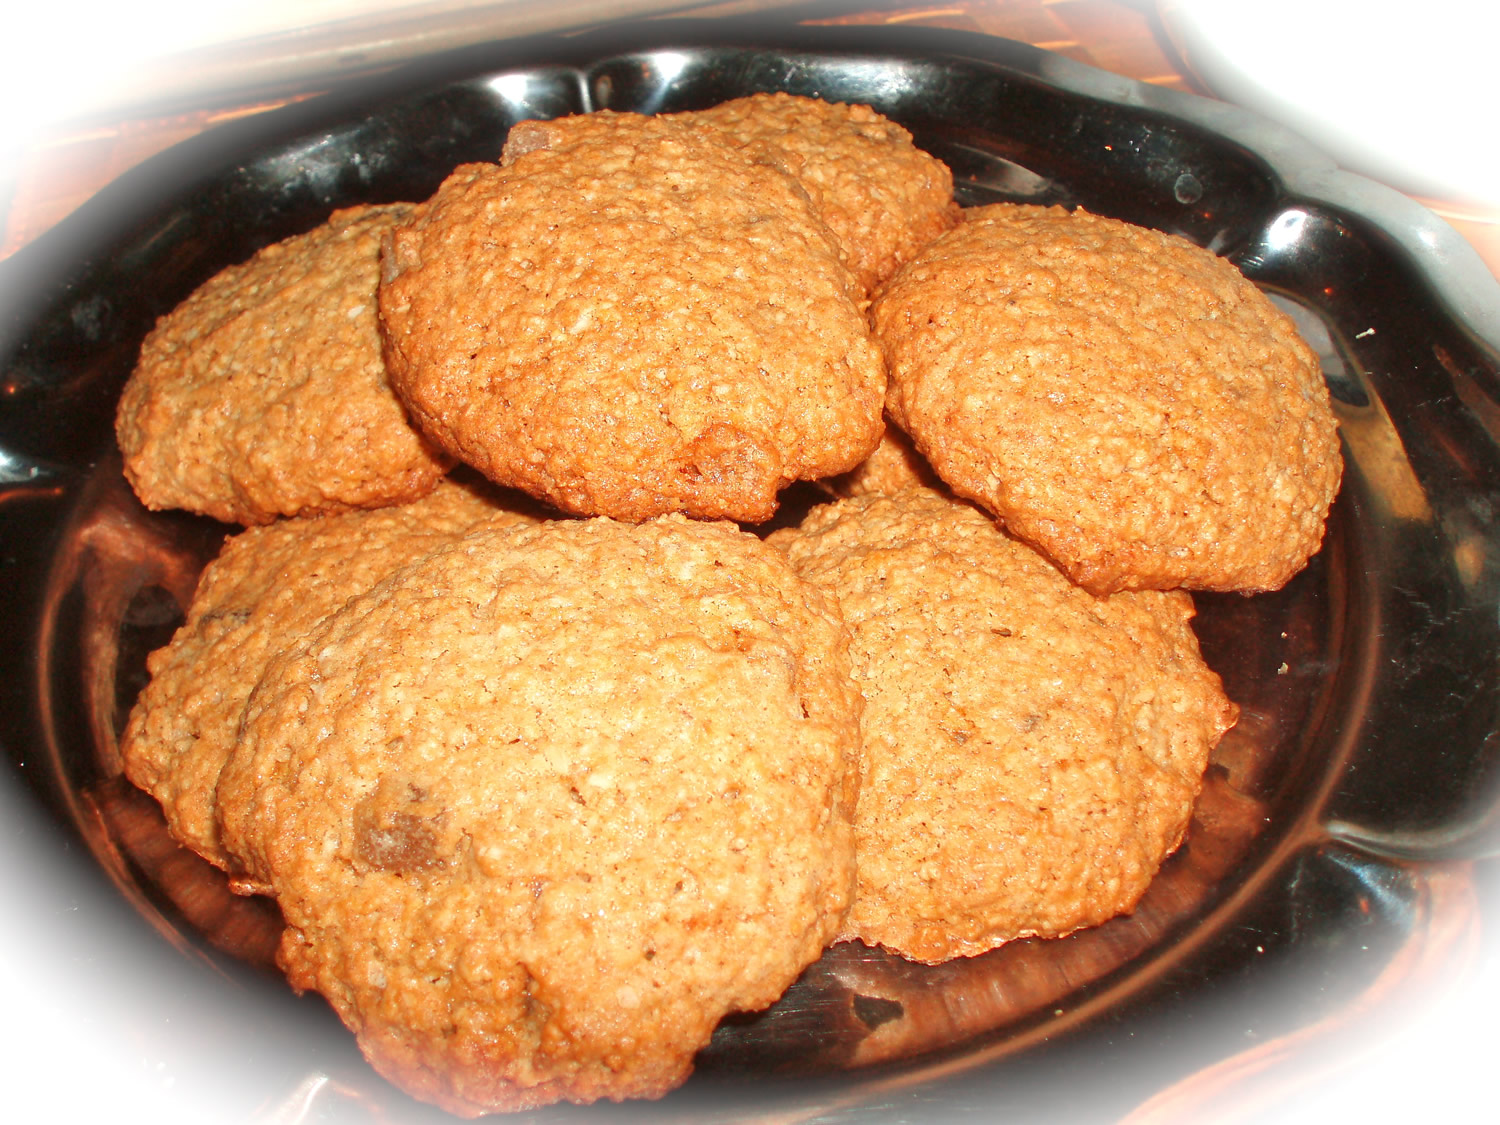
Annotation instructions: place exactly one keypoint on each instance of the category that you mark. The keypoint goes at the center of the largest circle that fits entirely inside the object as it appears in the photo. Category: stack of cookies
(548, 763)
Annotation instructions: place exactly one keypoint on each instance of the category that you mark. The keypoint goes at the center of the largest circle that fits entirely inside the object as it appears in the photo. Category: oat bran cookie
(1123, 400)
(269, 587)
(543, 807)
(894, 466)
(1032, 752)
(629, 317)
(264, 393)
(883, 198)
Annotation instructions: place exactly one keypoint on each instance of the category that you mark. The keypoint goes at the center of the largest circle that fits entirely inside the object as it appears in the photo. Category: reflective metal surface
(1332, 841)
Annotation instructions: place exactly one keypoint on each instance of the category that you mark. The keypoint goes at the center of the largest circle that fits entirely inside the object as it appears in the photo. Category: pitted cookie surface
(1032, 752)
(264, 393)
(1123, 400)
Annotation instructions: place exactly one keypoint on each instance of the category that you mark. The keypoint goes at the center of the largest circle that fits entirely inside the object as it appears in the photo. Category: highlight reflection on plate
(1322, 848)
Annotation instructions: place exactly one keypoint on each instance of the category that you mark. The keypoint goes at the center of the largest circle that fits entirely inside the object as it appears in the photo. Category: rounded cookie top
(883, 198)
(264, 394)
(269, 587)
(1032, 752)
(1124, 400)
(628, 317)
(542, 808)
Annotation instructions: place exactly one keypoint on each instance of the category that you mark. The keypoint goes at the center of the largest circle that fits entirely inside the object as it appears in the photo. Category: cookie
(1123, 400)
(1032, 752)
(264, 394)
(543, 807)
(269, 587)
(883, 198)
(628, 317)
(894, 466)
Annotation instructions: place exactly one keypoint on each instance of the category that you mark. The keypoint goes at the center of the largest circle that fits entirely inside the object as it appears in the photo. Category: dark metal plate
(1328, 858)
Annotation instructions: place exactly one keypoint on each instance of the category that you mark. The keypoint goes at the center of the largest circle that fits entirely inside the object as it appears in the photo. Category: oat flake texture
(894, 466)
(629, 317)
(1123, 400)
(542, 807)
(269, 587)
(881, 196)
(1032, 752)
(264, 394)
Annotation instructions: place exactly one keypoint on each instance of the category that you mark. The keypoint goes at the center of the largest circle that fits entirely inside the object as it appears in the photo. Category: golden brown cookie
(269, 587)
(1032, 752)
(543, 807)
(1124, 400)
(883, 198)
(264, 393)
(628, 318)
(895, 465)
